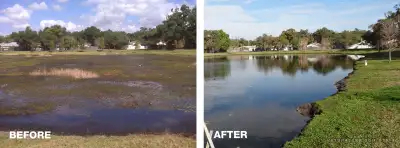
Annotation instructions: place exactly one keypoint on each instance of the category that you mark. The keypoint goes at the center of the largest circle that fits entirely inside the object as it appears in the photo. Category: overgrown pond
(103, 94)
(260, 94)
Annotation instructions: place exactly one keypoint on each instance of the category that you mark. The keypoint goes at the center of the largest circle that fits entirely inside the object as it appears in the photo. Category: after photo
(301, 74)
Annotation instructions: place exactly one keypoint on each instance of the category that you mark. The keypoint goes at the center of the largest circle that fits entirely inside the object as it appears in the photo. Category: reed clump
(65, 72)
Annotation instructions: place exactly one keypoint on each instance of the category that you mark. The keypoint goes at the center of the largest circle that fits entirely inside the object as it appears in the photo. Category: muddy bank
(312, 109)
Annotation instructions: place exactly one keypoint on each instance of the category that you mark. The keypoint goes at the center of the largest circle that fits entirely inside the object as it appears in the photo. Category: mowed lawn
(129, 141)
(366, 115)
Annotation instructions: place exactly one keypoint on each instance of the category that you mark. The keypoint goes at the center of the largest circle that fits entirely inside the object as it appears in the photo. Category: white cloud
(38, 6)
(62, 1)
(17, 12)
(57, 7)
(111, 14)
(69, 26)
(20, 26)
(17, 16)
(4, 19)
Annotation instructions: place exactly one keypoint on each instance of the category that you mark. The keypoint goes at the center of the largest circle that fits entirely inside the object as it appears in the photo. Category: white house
(87, 45)
(286, 48)
(161, 43)
(250, 48)
(8, 46)
(361, 45)
(314, 46)
(132, 46)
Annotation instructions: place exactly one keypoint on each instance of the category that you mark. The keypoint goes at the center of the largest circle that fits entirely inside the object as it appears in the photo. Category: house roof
(11, 44)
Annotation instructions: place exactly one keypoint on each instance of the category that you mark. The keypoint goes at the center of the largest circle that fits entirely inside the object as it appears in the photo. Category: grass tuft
(75, 73)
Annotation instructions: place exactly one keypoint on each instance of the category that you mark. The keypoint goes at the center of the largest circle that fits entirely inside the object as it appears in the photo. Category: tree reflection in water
(220, 68)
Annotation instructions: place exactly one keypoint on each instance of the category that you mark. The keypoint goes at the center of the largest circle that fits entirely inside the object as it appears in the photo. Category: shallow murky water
(260, 94)
(132, 94)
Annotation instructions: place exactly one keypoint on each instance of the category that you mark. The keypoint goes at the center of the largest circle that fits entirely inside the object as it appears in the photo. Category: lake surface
(130, 94)
(260, 94)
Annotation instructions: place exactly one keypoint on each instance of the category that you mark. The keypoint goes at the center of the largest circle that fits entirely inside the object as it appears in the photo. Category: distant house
(314, 46)
(133, 46)
(361, 45)
(8, 46)
(161, 43)
(287, 48)
(249, 48)
(87, 45)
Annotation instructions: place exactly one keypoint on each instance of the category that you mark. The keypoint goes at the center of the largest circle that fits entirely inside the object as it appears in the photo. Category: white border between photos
(200, 74)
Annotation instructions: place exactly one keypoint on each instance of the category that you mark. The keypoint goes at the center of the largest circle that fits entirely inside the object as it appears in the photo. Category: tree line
(177, 31)
(384, 34)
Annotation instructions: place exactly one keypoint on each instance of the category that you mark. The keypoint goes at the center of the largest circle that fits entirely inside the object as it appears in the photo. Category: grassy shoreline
(367, 114)
(97, 141)
(365, 51)
(179, 52)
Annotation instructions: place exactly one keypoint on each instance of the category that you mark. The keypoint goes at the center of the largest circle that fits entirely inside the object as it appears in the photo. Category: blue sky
(124, 15)
(252, 18)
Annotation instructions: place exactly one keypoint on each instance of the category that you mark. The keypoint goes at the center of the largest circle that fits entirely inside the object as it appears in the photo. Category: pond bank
(366, 114)
(207, 55)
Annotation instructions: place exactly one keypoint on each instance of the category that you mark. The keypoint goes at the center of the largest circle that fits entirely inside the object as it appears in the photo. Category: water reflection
(260, 94)
(217, 68)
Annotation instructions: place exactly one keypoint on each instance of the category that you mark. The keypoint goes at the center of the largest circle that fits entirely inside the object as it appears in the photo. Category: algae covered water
(108, 94)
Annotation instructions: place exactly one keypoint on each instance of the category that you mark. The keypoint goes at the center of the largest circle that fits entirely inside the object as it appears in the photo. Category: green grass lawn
(183, 52)
(129, 141)
(363, 51)
(366, 115)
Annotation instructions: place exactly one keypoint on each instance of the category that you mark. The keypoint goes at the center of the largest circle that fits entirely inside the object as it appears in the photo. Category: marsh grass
(66, 72)
(29, 109)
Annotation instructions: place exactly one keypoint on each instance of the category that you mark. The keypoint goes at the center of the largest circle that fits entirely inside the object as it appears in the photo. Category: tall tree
(2, 39)
(390, 33)
(27, 39)
(216, 41)
(100, 43)
(68, 42)
(91, 34)
(304, 39)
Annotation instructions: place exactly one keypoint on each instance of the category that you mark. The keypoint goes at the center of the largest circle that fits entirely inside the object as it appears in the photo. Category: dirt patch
(309, 109)
(141, 84)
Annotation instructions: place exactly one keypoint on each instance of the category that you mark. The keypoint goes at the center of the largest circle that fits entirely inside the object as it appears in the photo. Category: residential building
(361, 45)
(133, 46)
(8, 46)
(249, 48)
(314, 46)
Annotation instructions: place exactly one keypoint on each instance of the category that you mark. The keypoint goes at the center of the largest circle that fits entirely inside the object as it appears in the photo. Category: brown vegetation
(67, 72)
